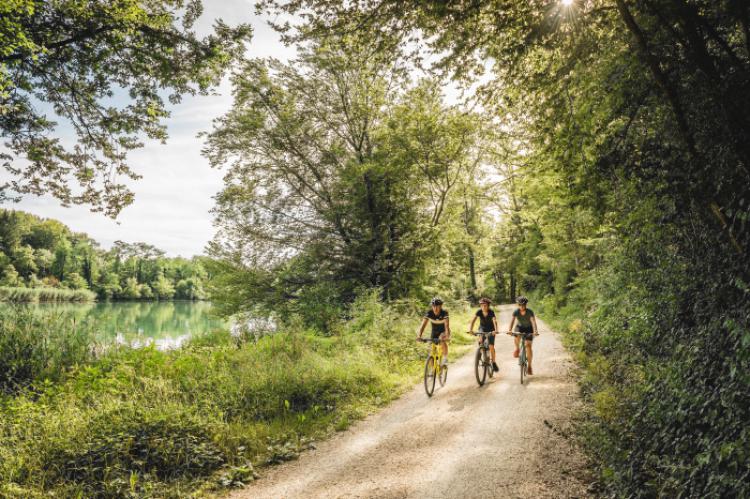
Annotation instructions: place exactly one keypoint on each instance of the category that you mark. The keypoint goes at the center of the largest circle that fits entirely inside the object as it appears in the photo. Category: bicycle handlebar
(432, 340)
(480, 333)
(515, 333)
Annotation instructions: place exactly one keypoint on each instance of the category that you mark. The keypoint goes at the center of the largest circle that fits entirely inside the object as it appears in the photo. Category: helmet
(436, 301)
(522, 300)
(485, 300)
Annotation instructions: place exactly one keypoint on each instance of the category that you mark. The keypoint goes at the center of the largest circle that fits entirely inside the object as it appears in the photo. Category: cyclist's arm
(421, 328)
(533, 323)
(494, 320)
(448, 327)
(512, 321)
(471, 328)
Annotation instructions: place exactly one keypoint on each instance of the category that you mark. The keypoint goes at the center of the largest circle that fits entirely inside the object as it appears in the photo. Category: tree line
(38, 253)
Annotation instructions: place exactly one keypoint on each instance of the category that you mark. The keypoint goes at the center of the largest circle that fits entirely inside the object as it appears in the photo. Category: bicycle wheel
(522, 363)
(480, 368)
(443, 377)
(429, 376)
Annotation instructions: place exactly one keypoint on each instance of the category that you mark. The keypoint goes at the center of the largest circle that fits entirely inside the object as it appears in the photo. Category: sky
(173, 199)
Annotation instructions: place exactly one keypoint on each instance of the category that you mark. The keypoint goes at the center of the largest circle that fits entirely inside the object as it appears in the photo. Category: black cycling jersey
(437, 321)
(486, 323)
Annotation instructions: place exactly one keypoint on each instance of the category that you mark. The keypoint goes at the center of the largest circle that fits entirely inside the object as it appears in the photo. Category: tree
(24, 261)
(131, 289)
(43, 259)
(10, 277)
(338, 177)
(163, 288)
(74, 57)
(75, 281)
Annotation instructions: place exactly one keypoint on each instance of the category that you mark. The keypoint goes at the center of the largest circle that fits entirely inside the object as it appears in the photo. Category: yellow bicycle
(433, 366)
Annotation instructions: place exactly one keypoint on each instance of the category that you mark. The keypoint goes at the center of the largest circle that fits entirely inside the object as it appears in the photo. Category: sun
(567, 3)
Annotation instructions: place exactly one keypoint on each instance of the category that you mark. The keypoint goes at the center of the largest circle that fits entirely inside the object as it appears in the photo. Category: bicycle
(523, 361)
(433, 367)
(482, 360)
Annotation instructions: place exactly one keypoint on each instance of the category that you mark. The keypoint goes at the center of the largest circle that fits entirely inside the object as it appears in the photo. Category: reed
(44, 295)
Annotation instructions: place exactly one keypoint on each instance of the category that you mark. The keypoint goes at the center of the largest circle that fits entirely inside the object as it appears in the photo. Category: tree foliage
(105, 68)
(625, 188)
(340, 174)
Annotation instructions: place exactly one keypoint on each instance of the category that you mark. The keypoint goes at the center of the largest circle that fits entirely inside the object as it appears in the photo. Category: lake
(165, 323)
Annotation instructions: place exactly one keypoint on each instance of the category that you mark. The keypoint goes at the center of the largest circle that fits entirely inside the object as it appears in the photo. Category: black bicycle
(483, 359)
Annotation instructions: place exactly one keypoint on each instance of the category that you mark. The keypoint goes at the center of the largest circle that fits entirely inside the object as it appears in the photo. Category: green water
(165, 323)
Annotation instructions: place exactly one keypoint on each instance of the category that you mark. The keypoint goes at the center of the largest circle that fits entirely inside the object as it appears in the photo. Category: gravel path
(464, 442)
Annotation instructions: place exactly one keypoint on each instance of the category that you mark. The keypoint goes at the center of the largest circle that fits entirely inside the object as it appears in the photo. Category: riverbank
(45, 295)
(205, 416)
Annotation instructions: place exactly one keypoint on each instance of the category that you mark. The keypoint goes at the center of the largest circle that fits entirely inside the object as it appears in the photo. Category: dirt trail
(464, 442)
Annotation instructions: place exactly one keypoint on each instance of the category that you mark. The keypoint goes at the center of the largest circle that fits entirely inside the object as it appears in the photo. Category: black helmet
(436, 301)
(522, 300)
(485, 300)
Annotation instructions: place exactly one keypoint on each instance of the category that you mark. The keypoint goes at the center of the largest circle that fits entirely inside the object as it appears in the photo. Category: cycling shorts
(528, 332)
(490, 339)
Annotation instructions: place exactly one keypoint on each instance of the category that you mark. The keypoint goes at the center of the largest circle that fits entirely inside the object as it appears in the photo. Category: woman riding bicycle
(526, 326)
(487, 324)
(441, 327)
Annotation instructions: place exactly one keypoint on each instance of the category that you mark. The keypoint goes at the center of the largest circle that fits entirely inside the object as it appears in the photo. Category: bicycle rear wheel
(429, 376)
(480, 368)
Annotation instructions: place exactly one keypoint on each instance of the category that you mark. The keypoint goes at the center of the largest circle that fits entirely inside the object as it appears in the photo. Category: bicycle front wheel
(480, 368)
(522, 364)
(429, 376)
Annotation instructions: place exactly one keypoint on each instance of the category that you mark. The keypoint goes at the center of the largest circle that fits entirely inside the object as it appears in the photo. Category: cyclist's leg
(529, 352)
(444, 346)
(517, 341)
(491, 341)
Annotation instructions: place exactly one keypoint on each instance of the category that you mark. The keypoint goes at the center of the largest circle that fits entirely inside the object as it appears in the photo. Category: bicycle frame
(523, 361)
(482, 358)
(434, 370)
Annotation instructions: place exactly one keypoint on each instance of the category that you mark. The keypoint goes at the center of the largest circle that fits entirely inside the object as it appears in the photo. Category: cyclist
(441, 327)
(487, 324)
(526, 325)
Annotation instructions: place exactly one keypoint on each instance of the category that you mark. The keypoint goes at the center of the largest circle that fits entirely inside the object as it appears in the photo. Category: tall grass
(40, 346)
(149, 423)
(37, 295)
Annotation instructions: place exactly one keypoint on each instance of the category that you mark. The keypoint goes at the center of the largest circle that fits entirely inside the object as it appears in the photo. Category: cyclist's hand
(536, 334)
(509, 333)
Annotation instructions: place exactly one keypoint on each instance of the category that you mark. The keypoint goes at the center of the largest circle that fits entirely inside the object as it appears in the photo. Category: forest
(43, 260)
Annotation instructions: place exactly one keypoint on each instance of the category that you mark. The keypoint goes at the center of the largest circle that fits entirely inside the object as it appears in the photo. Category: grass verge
(201, 419)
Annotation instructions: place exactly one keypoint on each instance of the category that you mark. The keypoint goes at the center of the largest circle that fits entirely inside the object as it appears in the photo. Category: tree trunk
(472, 272)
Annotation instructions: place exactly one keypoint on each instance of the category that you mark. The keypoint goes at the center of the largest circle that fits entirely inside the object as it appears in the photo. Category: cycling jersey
(486, 323)
(437, 321)
(525, 319)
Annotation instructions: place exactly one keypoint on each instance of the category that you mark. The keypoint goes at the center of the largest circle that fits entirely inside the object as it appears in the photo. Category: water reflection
(166, 324)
